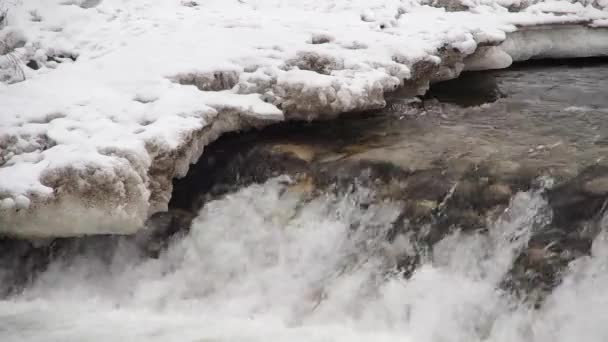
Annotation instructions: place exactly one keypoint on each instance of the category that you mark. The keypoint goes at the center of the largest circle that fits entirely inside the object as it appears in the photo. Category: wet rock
(466, 194)
(578, 204)
(365, 173)
(597, 186)
(22, 261)
(228, 167)
(303, 152)
(540, 267)
(431, 184)
(471, 89)
(504, 168)
(261, 164)
(420, 211)
(581, 198)
(304, 185)
(17, 264)
(497, 194)
(161, 229)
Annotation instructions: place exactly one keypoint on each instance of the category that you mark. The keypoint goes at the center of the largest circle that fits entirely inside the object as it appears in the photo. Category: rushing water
(269, 263)
(263, 264)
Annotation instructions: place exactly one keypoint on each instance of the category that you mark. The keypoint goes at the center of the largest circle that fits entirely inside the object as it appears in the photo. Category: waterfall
(270, 262)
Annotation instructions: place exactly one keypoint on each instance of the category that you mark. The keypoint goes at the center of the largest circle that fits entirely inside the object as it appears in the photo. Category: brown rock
(420, 210)
(498, 193)
(597, 187)
(304, 152)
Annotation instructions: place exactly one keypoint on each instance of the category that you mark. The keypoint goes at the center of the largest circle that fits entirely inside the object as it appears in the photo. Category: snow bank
(556, 41)
(118, 98)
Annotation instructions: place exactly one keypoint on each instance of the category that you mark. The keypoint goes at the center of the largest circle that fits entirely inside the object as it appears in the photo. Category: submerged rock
(578, 214)
(582, 197)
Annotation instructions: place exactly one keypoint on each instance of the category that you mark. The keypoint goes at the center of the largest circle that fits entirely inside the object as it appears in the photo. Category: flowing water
(271, 263)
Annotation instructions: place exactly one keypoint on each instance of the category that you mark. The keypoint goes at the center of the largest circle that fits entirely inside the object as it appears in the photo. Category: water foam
(269, 263)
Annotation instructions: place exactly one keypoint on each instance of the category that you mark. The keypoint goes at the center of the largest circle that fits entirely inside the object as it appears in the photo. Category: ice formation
(105, 102)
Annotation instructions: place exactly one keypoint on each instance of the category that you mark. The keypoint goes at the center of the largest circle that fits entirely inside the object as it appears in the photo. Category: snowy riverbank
(119, 98)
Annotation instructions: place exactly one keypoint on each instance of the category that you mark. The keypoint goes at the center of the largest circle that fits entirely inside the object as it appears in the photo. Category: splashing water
(269, 263)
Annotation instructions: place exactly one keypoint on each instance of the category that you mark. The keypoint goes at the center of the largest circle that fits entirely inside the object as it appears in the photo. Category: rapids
(266, 263)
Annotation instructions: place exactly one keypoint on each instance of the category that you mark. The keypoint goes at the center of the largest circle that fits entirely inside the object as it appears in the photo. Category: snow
(127, 94)
(556, 42)
(488, 58)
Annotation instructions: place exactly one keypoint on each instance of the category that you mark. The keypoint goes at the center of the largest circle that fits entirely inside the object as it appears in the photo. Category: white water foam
(264, 264)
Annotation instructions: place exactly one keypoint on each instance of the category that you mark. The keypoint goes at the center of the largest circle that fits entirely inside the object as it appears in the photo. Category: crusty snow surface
(126, 94)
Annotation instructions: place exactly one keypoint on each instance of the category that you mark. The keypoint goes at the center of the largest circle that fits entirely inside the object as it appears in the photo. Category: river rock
(581, 197)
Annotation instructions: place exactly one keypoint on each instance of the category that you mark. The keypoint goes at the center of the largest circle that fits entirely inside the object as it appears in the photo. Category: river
(275, 261)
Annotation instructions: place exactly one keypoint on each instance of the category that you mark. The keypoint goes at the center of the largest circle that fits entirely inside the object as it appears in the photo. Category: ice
(556, 42)
(131, 92)
(488, 58)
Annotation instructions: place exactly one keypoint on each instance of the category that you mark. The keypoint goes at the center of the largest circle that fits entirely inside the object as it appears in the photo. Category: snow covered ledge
(556, 41)
(551, 41)
(92, 138)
